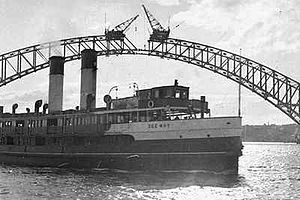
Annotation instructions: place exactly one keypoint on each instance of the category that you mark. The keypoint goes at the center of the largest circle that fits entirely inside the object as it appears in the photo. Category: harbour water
(266, 171)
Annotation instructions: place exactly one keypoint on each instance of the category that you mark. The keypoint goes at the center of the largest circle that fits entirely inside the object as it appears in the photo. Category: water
(267, 171)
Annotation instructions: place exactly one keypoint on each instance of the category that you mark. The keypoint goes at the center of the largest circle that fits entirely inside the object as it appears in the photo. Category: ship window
(18, 140)
(150, 116)
(39, 141)
(33, 123)
(149, 94)
(143, 115)
(144, 94)
(78, 140)
(44, 122)
(36, 123)
(53, 140)
(169, 93)
(184, 95)
(120, 118)
(2, 140)
(68, 122)
(112, 118)
(8, 123)
(79, 121)
(49, 141)
(22, 141)
(52, 122)
(32, 141)
(60, 122)
(20, 123)
(177, 94)
(9, 140)
(25, 140)
(101, 119)
(156, 93)
(87, 120)
(134, 117)
(92, 120)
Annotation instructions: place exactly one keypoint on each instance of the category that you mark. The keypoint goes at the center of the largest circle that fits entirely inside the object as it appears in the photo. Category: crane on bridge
(159, 33)
(118, 33)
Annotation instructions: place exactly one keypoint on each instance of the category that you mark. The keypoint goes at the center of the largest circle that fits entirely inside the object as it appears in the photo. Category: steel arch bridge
(278, 89)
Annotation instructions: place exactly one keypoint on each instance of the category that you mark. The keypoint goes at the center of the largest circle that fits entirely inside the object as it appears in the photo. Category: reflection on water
(267, 171)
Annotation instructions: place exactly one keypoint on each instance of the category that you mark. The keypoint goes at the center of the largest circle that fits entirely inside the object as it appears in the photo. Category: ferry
(157, 129)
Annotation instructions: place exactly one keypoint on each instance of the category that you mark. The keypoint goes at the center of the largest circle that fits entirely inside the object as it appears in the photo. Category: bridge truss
(276, 88)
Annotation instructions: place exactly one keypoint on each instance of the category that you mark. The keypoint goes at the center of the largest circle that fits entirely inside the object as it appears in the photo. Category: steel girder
(276, 88)
(21, 62)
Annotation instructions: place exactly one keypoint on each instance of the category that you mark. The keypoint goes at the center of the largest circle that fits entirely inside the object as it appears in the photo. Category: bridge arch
(278, 89)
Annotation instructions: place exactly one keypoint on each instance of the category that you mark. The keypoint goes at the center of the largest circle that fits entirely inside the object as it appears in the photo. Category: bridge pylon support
(56, 84)
(88, 79)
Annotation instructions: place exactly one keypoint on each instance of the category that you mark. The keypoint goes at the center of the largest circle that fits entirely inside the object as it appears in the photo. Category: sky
(267, 31)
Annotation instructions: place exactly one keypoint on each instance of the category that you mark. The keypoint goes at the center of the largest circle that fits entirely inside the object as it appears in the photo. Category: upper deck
(149, 105)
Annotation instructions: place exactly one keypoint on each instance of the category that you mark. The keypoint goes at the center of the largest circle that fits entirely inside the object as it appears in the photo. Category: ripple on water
(266, 172)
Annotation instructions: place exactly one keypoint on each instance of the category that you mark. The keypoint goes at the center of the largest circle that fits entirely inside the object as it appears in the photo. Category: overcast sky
(267, 31)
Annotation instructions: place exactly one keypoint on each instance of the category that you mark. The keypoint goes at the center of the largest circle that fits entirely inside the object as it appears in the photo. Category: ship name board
(159, 125)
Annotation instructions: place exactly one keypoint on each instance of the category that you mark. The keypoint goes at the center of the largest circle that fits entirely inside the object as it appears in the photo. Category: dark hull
(203, 154)
(205, 161)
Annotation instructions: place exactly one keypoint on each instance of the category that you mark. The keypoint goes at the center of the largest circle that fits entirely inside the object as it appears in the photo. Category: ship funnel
(45, 107)
(37, 106)
(14, 108)
(56, 80)
(1, 109)
(28, 110)
(88, 79)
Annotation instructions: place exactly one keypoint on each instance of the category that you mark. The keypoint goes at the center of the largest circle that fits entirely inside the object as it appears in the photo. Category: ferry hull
(204, 161)
(202, 154)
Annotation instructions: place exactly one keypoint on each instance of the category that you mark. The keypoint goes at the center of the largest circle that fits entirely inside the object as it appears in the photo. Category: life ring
(150, 104)
(107, 99)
